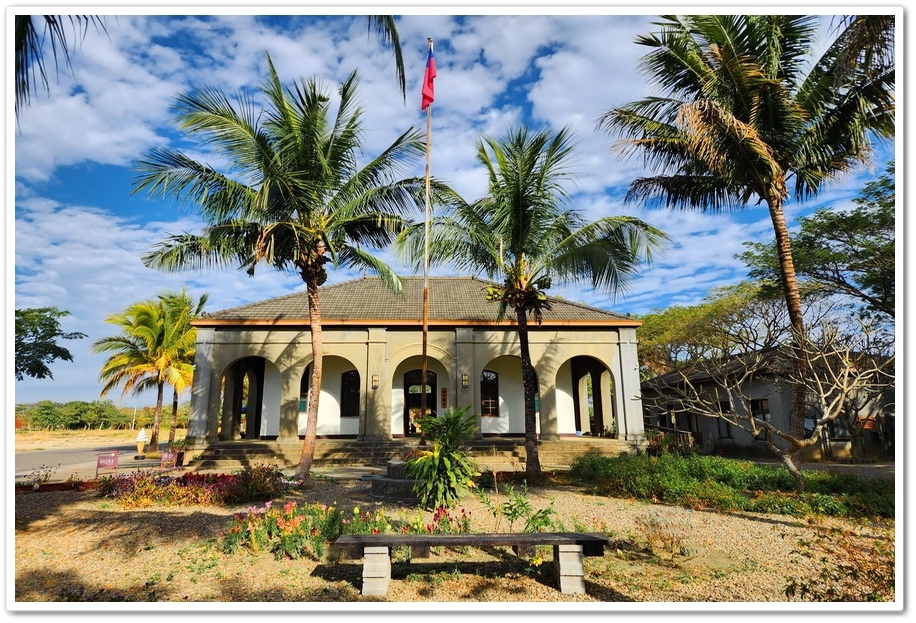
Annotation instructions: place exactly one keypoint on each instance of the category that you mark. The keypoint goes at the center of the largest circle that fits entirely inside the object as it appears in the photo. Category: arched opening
(489, 393)
(339, 409)
(413, 397)
(242, 399)
(593, 404)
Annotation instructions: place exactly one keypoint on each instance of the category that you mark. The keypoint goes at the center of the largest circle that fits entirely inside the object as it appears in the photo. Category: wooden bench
(569, 548)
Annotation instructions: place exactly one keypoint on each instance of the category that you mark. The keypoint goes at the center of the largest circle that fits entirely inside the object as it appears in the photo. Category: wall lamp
(375, 381)
(465, 381)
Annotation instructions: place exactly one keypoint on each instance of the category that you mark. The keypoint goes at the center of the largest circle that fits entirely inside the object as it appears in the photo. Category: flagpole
(425, 371)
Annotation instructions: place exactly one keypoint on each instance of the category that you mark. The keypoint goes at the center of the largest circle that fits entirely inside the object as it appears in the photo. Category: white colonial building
(252, 371)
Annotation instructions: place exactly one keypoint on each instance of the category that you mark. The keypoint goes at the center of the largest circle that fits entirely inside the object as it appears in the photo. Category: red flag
(428, 94)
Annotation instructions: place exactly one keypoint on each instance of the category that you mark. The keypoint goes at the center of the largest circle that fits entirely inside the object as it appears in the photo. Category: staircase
(489, 453)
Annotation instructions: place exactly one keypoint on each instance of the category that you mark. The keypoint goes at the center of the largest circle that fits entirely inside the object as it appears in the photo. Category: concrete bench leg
(376, 570)
(570, 570)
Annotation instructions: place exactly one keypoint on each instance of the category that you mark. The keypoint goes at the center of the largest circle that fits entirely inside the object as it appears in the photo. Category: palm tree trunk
(532, 460)
(174, 417)
(157, 419)
(793, 305)
(311, 426)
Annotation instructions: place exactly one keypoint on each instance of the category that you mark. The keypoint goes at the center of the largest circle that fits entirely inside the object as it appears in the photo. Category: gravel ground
(74, 546)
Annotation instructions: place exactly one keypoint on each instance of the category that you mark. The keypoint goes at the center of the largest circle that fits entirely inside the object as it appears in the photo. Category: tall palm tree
(745, 118)
(183, 309)
(524, 235)
(295, 197)
(149, 353)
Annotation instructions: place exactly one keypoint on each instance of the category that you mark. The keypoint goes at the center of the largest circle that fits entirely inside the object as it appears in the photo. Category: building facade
(253, 365)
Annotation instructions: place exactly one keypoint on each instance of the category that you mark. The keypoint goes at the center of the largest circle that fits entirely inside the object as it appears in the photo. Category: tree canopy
(849, 252)
(37, 333)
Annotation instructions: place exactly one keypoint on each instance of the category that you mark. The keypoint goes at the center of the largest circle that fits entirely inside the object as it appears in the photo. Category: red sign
(106, 460)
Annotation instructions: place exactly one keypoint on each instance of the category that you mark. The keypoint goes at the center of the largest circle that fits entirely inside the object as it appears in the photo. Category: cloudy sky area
(78, 231)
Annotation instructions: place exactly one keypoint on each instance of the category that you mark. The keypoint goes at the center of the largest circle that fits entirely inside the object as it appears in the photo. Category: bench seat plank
(592, 543)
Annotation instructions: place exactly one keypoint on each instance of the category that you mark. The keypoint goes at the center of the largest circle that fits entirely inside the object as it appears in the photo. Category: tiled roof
(368, 301)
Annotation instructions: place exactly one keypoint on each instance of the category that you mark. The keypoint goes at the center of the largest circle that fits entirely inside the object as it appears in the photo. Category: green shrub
(255, 483)
(728, 484)
(444, 472)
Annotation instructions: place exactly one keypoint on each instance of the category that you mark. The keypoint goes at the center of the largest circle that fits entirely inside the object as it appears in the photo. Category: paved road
(79, 462)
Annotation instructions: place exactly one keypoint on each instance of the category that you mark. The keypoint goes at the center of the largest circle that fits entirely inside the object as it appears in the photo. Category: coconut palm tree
(149, 353)
(745, 117)
(524, 235)
(183, 309)
(295, 197)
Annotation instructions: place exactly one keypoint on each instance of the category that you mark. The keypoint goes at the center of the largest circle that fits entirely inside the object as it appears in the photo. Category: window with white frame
(489, 394)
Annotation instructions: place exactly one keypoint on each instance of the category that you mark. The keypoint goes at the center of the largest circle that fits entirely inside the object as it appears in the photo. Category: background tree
(744, 115)
(37, 332)
(742, 318)
(709, 354)
(149, 353)
(849, 252)
(184, 309)
(523, 234)
(294, 196)
(844, 373)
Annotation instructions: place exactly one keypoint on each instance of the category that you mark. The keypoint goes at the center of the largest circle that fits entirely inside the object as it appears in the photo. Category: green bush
(446, 470)
(728, 484)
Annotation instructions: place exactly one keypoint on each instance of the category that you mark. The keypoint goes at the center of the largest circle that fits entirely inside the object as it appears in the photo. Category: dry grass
(33, 440)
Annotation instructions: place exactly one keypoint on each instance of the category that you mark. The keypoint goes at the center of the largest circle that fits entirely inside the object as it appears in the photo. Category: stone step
(236, 455)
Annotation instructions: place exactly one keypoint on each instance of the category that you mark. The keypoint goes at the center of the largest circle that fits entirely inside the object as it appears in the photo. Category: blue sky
(76, 235)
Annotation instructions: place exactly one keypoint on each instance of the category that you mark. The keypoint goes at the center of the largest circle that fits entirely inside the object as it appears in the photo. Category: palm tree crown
(153, 350)
(295, 196)
(744, 117)
(524, 234)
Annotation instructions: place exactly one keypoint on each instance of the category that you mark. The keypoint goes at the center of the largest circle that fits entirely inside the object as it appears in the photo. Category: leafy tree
(845, 252)
(700, 357)
(37, 332)
(524, 234)
(86, 415)
(293, 198)
(744, 115)
(741, 318)
(149, 353)
(48, 415)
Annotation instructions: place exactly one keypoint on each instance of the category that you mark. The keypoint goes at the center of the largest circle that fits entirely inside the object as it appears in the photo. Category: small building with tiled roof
(252, 368)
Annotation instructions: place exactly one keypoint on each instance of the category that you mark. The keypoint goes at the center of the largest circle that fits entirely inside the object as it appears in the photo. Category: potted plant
(179, 446)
